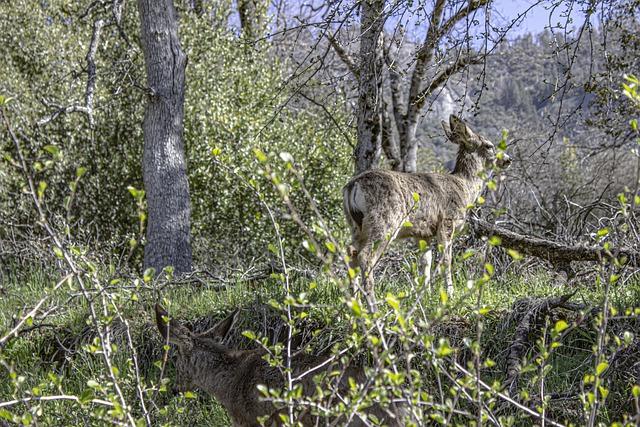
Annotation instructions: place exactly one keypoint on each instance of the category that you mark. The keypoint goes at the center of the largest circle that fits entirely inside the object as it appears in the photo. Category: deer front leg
(448, 277)
(445, 238)
(424, 265)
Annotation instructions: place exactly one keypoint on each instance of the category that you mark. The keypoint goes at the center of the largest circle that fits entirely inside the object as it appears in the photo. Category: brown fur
(378, 202)
(232, 376)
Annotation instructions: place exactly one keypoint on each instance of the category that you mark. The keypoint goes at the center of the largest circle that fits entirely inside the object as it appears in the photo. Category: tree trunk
(252, 18)
(368, 145)
(164, 164)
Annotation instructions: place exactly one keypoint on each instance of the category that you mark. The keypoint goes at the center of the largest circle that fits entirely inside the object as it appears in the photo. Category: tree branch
(87, 108)
(441, 78)
(344, 55)
(554, 252)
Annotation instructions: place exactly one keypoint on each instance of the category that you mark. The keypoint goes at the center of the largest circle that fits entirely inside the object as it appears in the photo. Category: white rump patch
(357, 200)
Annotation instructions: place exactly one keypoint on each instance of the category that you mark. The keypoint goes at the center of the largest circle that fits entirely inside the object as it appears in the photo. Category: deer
(383, 205)
(232, 376)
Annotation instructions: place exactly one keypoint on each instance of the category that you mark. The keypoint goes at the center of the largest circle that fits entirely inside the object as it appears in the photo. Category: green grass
(53, 353)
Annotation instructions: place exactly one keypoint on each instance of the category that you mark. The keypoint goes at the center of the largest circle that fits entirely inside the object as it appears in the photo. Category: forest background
(275, 95)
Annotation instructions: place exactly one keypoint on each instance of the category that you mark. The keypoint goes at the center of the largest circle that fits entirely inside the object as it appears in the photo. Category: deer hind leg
(366, 260)
(366, 257)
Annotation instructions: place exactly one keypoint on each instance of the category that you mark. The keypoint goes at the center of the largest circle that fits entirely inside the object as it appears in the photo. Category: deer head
(471, 143)
(193, 347)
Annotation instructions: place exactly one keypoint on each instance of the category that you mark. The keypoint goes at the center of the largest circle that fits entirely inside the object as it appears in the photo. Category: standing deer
(232, 376)
(382, 205)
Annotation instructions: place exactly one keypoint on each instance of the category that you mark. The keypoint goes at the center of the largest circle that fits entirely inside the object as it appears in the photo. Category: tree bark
(164, 163)
(369, 115)
(252, 18)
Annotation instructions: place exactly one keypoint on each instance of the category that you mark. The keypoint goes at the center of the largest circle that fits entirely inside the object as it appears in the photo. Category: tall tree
(253, 14)
(163, 159)
(393, 125)
(397, 70)
(369, 112)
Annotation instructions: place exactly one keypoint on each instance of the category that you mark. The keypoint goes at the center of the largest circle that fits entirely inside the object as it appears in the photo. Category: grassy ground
(54, 370)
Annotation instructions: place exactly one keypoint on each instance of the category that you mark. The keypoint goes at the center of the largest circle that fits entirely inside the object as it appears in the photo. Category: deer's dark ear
(447, 131)
(458, 127)
(220, 331)
(171, 329)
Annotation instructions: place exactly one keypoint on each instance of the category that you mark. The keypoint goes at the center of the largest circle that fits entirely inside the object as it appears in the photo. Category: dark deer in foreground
(232, 376)
(380, 205)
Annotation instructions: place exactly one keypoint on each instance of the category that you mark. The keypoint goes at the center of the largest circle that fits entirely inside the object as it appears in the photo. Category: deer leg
(448, 247)
(424, 264)
(362, 259)
(445, 238)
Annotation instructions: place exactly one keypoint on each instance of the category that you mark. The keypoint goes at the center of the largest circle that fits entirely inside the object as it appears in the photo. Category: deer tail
(354, 204)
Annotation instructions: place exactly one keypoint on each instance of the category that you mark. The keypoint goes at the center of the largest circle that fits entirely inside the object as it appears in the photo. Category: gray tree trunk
(369, 115)
(252, 15)
(163, 159)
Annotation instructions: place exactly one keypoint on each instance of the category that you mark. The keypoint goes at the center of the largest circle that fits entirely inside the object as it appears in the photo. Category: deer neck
(215, 373)
(468, 167)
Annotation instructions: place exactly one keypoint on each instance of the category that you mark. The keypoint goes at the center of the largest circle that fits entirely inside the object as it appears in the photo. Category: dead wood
(559, 254)
(527, 324)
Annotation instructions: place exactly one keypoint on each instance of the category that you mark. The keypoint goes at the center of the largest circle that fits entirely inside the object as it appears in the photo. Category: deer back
(379, 202)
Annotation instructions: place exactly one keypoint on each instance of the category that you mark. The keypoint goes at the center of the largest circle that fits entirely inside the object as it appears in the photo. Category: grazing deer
(380, 204)
(232, 376)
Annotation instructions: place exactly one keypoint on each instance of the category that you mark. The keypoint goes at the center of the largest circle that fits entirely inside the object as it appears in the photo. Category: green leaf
(495, 241)
(6, 415)
(355, 307)
(514, 254)
(489, 269)
(86, 396)
(80, 172)
(93, 384)
(330, 246)
(392, 301)
(273, 249)
(603, 366)
(561, 325)
(41, 187)
(53, 150)
(260, 155)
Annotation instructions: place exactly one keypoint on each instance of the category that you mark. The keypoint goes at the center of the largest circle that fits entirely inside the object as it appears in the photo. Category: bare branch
(425, 54)
(87, 108)
(554, 252)
(460, 15)
(442, 77)
(344, 55)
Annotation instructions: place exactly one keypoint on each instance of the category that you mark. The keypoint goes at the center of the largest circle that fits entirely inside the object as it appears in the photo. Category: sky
(537, 18)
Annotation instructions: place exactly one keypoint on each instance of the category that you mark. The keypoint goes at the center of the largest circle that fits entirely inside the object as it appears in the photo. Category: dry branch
(558, 254)
(518, 347)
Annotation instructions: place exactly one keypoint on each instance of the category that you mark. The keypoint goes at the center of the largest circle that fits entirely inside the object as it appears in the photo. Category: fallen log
(558, 254)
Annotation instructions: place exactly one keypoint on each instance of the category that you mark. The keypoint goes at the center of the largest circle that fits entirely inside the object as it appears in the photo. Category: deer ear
(220, 331)
(460, 129)
(172, 329)
(447, 131)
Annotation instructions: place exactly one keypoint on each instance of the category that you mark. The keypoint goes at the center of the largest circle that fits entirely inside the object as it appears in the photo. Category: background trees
(277, 101)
